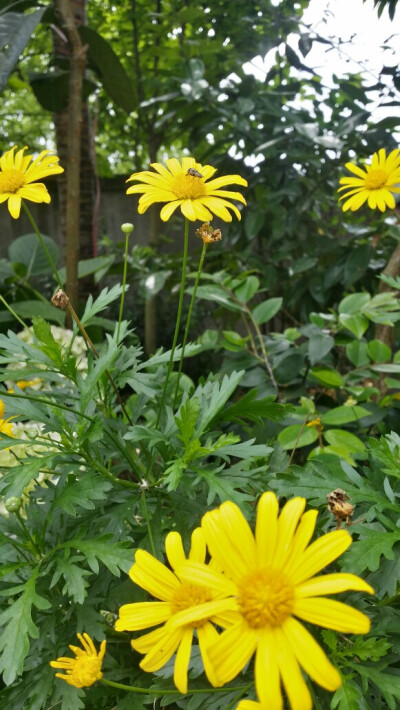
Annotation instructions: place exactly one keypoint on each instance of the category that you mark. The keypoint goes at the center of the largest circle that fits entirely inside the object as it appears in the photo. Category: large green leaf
(15, 32)
(114, 78)
(27, 250)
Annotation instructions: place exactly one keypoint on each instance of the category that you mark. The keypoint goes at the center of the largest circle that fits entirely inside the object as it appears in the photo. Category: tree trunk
(75, 149)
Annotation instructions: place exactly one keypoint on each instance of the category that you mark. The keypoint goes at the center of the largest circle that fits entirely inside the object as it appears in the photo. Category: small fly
(194, 173)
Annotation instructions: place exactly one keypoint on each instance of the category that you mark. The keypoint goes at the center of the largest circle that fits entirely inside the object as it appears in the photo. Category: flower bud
(127, 227)
(12, 504)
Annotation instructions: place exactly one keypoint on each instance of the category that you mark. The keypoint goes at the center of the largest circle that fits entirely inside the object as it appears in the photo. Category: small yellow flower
(185, 185)
(24, 384)
(375, 183)
(6, 427)
(177, 598)
(85, 668)
(18, 177)
(269, 583)
(315, 423)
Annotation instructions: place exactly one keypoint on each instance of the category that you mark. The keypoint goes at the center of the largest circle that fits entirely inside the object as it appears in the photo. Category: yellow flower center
(375, 179)
(11, 181)
(188, 187)
(187, 596)
(86, 670)
(265, 598)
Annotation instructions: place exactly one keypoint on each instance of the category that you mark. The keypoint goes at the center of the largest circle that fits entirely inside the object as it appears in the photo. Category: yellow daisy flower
(185, 185)
(175, 598)
(18, 177)
(375, 183)
(270, 576)
(85, 668)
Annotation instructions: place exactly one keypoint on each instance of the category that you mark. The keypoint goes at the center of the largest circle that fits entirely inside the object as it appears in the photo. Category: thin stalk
(160, 691)
(26, 531)
(127, 229)
(189, 316)
(146, 515)
(178, 321)
(96, 354)
(42, 244)
(13, 313)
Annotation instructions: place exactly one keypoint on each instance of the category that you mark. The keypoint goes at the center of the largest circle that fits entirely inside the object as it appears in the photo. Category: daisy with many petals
(85, 669)
(187, 185)
(374, 184)
(269, 581)
(18, 176)
(175, 598)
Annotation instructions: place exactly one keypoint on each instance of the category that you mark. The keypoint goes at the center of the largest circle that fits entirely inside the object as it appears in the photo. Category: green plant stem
(13, 313)
(26, 531)
(178, 322)
(169, 691)
(189, 316)
(121, 305)
(146, 515)
(42, 244)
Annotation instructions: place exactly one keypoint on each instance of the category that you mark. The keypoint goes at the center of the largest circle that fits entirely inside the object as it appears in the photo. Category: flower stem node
(60, 300)
(127, 227)
(12, 504)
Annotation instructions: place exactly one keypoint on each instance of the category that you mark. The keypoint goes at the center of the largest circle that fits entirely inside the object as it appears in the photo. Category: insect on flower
(194, 173)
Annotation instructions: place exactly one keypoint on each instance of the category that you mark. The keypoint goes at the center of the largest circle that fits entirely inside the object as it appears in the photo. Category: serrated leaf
(18, 627)
(253, 409)
(213, 396)
(114, 555)
(366, 554)
(186, 419)
(106, 297)
(81, 493)
(75, 584)
(347, 697)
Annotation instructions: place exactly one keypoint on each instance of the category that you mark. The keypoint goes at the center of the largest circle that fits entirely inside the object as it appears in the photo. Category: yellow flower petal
(376, 182)
(153, 576)
(135, 617)
(332, 615)
(295, 686)
(174, 549)
(332, 584)
(320, 554)
(287, 524)
(144, 644)
(161, 652)
(301, 538)
(19, 176)
(310, 655)
(182, 660)
(232, 651)
(198, 549)
(207, 636)
(266, 528)
(230, 540)
(267, 674)
(14, 206)
(202, 611)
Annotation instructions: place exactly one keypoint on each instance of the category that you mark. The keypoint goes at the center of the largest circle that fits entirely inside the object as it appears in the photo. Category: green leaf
(354, 303)
(347, 697)
(89, 266)
(116, 81)
(14, 481)
(81, 493)
(75, 584)
(217, 295)
(357, 324)
(29, 309)
(263, 312)
(319, 345)
(250, 408)
(357, 352)
(186, 419)
(366, 554)
(344, 440)
(328, 377)
(28, 251)
(247, 289)
(16, 31)
(344, 415)
(213, 396)
(379, 351)
(291, 436)
(106, 297)
(114, 555)
(18, 626)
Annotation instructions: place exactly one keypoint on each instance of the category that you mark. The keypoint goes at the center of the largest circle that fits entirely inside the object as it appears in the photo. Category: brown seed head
(60, 300)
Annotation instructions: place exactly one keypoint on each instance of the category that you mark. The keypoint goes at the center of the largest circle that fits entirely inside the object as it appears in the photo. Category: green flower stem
(42, 244)
(189, 316)
(146, 515)
(13, 313)
(169, 691)
(178, 321)
(121, 305)
(26, 531)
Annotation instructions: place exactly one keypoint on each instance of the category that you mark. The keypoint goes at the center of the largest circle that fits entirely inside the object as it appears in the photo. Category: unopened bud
(127, 227)
(12, 504)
